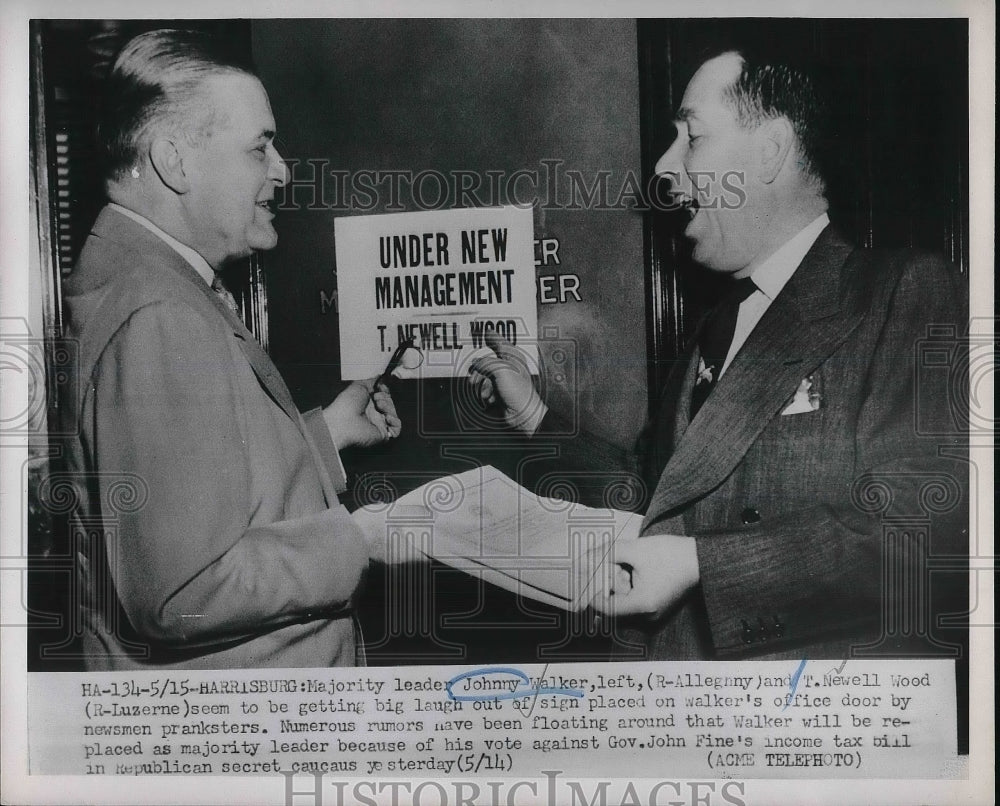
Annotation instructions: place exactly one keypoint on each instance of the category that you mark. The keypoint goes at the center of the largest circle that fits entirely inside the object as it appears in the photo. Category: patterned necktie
(716, 338)
(220, 288)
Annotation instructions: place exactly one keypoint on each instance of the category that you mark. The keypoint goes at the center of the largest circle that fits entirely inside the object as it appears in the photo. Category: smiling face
(713, 162)
(233, 171)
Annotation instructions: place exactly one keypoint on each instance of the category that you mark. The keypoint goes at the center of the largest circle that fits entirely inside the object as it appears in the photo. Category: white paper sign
(443, 278)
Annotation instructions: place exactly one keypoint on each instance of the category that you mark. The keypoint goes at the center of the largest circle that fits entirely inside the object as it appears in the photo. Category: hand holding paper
(385, 544)
(648, 576)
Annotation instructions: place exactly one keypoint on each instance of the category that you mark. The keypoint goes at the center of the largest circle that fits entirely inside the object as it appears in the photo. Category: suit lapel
(682, 411)
(261, 363)
(801, 328)
(123, 230)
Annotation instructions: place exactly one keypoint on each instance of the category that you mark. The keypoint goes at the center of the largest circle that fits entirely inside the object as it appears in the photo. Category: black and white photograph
(483, 405)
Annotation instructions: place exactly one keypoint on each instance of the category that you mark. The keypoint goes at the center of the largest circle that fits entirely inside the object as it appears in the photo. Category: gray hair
(155, 85)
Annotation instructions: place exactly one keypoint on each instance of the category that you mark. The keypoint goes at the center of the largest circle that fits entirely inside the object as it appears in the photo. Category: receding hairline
(159, 82)
(197, 114)
(685, 113)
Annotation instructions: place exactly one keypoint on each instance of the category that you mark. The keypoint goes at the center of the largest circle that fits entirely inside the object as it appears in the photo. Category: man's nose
(671, 163)
(277, 170)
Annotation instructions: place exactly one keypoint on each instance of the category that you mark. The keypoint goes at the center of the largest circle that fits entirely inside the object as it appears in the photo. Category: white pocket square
(806, 399)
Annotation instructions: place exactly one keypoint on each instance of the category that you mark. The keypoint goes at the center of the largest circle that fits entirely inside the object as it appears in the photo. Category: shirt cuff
(326, 447)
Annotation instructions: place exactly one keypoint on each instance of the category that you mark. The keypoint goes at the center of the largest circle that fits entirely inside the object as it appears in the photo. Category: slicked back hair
(769, 87)
(155, 85)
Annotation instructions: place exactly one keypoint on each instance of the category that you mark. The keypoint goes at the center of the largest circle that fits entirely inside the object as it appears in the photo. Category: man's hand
(504, 378)
(360, 417)
(647, 576)
(386, 545)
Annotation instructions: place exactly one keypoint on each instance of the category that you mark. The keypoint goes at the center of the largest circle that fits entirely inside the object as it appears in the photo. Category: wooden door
(899, 92)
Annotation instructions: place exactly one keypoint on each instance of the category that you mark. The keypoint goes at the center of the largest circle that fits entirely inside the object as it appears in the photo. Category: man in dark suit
(789, 432)
(208, 529)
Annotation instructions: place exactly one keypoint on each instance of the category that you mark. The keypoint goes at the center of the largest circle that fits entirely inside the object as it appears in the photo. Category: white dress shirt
(198, 263)
(770, 277)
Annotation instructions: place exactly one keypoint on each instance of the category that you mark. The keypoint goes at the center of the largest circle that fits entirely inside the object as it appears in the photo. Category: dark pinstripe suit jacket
(812, 527)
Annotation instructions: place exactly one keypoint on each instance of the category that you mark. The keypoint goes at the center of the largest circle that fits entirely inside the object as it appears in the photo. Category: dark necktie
(716, 338)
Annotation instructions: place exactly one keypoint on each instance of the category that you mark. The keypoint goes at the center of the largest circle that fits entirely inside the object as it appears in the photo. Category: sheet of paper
(486, 524)
(444, 278)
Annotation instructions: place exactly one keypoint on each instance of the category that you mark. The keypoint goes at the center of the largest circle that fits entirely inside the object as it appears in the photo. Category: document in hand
(484, 523)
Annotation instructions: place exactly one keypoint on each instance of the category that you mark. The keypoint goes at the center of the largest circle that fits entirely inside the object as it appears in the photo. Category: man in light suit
(781, 447)
(207, 529)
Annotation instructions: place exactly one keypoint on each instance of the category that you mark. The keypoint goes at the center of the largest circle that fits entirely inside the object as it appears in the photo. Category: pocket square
(806, 399)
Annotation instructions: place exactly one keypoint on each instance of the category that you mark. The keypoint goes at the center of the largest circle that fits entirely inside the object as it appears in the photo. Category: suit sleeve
(327, 452)
(186, 563)
(812, 572)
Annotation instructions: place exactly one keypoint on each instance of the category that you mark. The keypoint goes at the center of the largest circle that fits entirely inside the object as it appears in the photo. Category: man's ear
(168, 163)
(777, 138)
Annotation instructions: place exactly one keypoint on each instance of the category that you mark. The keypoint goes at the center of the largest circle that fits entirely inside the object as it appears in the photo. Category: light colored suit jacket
(802, 520)
(207, 526)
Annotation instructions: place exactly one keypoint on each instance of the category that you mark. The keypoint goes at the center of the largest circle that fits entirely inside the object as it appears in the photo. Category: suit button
(747, 632)
(750, 515)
